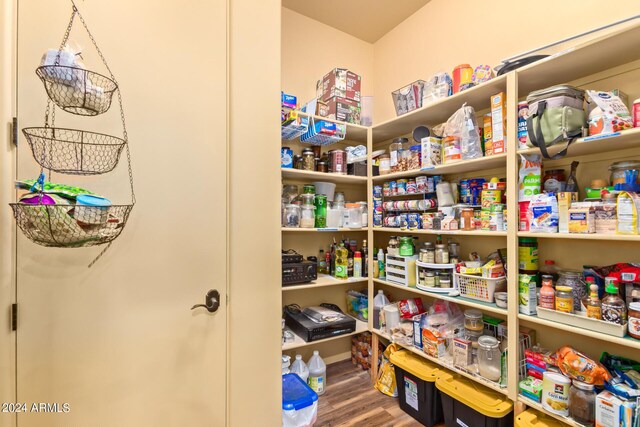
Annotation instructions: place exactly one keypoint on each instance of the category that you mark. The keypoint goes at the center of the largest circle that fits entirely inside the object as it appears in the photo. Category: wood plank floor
(351, 400)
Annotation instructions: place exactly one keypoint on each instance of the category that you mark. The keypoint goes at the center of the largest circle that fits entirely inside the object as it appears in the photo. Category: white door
(118, 342)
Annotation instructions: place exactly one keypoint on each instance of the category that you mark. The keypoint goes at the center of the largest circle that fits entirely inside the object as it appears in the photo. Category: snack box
(431, 151)
(342, 109)
(531, 388)
(289, 101)
(582, 219)
(498, 122)
(462, 352)
(565, 199)
(612, 411)
(342, 83)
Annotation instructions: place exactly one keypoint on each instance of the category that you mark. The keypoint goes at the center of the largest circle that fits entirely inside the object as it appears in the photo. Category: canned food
(377, 206)
(377, 191)
(421, 184)
(338, 161)
(413, 221)
(403, 221)
(388, 206)
(386, 189)
(413, 205)
(377, 220)
(412, 187)
(402, 187)
(496, 221)
(427, 220)
(393, 186)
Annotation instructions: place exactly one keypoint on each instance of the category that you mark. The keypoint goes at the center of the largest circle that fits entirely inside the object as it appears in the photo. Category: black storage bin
(417, 392)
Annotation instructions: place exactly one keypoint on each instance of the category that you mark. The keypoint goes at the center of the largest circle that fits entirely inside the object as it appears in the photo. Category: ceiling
(367, 20)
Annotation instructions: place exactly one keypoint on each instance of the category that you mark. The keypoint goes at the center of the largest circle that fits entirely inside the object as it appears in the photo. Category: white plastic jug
(317, 374)
(286, 362)
(379, 301)
(300, 368)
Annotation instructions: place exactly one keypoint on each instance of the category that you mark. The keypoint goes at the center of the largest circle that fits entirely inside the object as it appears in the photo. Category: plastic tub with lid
(299, 402)
(533, 418)
(417, 393)
(465, 402)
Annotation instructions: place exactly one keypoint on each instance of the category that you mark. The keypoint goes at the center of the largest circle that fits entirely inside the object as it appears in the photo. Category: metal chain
(65, 38)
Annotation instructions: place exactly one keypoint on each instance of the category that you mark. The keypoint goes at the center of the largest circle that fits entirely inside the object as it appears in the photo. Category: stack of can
(470, 191)
(377, 206)
(492, 208)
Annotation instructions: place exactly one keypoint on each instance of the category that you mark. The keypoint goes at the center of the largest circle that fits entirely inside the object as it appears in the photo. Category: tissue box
(342, 109)
(340, 82)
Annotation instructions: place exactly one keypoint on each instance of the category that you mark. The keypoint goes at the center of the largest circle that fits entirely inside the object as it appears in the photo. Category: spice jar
(297, 161)
(430, 278)
(634, 320)
(431, 253)
(422, 257)
(413, 162)
(396, 153)
(322, 166)
(436, 279)
(466, 219)
(292, 215)
(308, 159)
(442, 254)
(582, 403)
(489, 357)
(454, 252)
(554, 181)
(384, 167)
(564, 299)
(573, 279)
(473, 320)
(445, 280)
(421, 276)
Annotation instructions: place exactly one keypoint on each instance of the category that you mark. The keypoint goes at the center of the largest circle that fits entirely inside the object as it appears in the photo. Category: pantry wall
(408, 53)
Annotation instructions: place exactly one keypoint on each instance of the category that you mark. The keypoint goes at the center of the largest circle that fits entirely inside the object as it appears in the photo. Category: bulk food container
(417, 393)
(299, 402)
(533, 418)
(465, 402)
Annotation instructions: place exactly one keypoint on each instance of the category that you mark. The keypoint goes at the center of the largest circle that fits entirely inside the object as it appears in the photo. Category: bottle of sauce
(342, 262)
(322, 262)
(547, 293)
(614, 309)
(365, 259)
(376, 271)
(593, 303)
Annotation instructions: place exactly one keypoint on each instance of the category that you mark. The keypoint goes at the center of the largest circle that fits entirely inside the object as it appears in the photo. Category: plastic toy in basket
(324, 133)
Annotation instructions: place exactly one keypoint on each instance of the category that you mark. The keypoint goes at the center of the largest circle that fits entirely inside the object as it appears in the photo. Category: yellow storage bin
(417, 393)
(465, 402)
(533, 418)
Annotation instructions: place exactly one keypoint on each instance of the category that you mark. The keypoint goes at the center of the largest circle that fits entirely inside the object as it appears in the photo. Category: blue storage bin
(299, 402)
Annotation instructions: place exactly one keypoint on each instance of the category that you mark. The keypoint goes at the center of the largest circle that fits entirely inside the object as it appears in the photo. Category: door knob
(211, 301)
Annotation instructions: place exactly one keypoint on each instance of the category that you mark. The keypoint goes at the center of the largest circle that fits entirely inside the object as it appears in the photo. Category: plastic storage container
(533, 418)
(299, 402)
(417, 393)
(465, 402)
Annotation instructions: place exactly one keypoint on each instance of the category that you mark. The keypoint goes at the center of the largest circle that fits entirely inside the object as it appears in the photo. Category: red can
(524, 216)
(338, 161)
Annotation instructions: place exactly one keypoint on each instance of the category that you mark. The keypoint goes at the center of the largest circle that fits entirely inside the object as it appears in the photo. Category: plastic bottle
(550, 268)
(286, 362)
(322, 262)
(547, 294)
(342, 263)
(317, 374)
(379, 301)
(357, 264)
(365, 259)
(381, 271)
(614, 310)
(593, 303)
(300, 368)
(376, 267)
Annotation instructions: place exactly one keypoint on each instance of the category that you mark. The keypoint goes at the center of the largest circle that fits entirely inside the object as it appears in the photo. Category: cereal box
(498, 122)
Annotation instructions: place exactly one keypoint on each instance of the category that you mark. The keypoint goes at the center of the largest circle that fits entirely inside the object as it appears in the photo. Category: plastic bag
(530, 177)
(386, 382)
(577, 366)
(543, 213)
(462, 124)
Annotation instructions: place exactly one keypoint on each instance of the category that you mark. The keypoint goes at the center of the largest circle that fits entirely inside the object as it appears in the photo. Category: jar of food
(547, 297)
(421, 276)
(292, 215)
(528, 255)
(466, 219)
(396, 153)
(308, 159)
(353, 217)
(473, 320)
(454, 252)
(338, 161)
(634, 320)
(617, 170)
(473, 336)
(415, 157)
(430, 257)
(554, 181)
(422, 256)
(429, 279)
(445, 280)
(307, 199)
(307, 216)
(365, 213)
(406, 246)
(338, 199)
(573, 279)
(614, 309)
(582, 403)
(384, 167)
(436, 279)
(309, 189)
(564, 299)
(489, 357)
(442, 254)
(322, 166)
(297, 162)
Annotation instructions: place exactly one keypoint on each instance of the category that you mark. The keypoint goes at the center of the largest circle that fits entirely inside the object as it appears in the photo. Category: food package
(612, 411)
(565, 199)
(437, 87)
(579, 367)
(462, 352)
(431, 151)
(530, 177)
(582, 218)
(543, 212)
(605, 215)
(462, 125)
(531, 388)
(498, 122)
(342, 109)
(386, 382)
(527, 298)
(628, 206)
(433, 343)
(410, 307)
(339, 82)
(610, 114)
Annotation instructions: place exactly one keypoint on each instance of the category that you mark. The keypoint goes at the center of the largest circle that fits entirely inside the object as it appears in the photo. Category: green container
(406, 246)
(321, 211)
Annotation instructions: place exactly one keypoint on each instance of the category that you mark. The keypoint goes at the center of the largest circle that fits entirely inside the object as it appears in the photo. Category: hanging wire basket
(76, 90)
(313, 137)
(74, 152)
(294, 129)
(71, 226)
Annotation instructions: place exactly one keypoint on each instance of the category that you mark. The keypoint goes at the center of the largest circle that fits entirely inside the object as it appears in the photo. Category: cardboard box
(462, 352)
(498, 122)
(611, 411)
(527, 297)
(288, 101)
(341, 109)
(606, 220)
(582, 219)
(487, 137)
(342, 83)
(564, 203)
(431, 151)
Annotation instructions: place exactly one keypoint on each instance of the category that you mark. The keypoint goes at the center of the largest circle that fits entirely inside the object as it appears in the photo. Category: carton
(342, 83)
(605, 214)
(462, 352)
(564, 203)
(498, 122)
(288, 101)
(342, 109)
(582, 219)
(431, 151)
(628, 205)
(611, 411)
(527, 299)
(486, 135)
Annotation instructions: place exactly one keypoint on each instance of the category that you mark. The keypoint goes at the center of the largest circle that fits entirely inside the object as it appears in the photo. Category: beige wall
(310, 49)
(444, 34)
